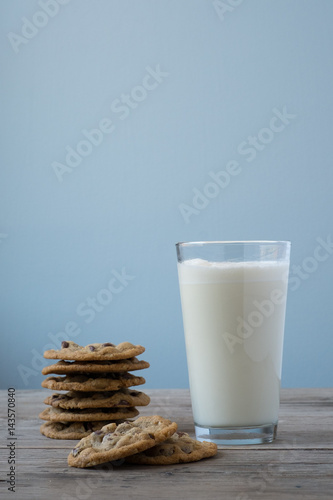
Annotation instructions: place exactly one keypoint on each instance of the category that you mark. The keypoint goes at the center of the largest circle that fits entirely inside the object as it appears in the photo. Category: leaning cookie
(94, 352)
(71, 430)
(121, 365)
(177, 449)
(88, 415)
(89, 383)
(122, 398)
(114, 442)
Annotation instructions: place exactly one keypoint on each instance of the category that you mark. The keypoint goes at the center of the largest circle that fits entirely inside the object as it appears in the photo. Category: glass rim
(236, 242)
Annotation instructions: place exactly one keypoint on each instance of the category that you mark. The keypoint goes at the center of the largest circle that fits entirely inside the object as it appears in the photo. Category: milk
(233, 315)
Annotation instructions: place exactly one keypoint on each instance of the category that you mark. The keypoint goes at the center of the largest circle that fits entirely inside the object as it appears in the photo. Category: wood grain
(298, 465)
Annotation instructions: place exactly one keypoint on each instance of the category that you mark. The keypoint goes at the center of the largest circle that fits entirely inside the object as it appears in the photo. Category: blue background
(223, 72)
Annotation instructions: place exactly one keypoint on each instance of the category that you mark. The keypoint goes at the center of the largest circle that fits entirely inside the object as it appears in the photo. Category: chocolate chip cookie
(177, 449)
(113, 442)
(94, 352)
(88, 415)
(122, 398)
(66, 367)
(89, 383)
(71, 430)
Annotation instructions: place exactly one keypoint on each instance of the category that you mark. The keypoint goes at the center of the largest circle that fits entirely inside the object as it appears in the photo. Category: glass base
(236, 436)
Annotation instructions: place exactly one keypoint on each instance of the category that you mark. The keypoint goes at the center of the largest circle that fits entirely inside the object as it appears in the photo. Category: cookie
(120, 399)
(70, 430)
(88, 415)
(94, 352)
(113, 442)
(65, 367)
(88, 383)
(178, 449)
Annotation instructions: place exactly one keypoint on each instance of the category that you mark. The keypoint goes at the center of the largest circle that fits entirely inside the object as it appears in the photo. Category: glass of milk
(233, 297)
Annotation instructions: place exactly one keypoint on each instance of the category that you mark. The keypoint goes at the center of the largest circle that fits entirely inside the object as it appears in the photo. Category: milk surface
(233, 315)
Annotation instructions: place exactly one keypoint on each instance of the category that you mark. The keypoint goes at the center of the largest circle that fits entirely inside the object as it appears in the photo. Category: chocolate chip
(108, 344)
(151, 435)
(75, 452)
(122, 402)
(186, 448)
(58, 397)
(180, 434)
(64, 344)
(166, 451)
(98, 433)
(91, 348)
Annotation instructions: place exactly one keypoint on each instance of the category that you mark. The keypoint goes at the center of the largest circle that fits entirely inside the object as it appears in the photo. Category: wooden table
(298, 465)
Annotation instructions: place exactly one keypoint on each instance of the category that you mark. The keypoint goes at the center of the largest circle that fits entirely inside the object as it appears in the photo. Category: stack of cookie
(98, 382)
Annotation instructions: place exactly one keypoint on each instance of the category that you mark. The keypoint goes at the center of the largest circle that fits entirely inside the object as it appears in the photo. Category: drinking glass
(233, 297)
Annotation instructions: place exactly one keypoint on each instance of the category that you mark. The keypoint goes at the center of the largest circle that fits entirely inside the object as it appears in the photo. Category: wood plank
(210, 479)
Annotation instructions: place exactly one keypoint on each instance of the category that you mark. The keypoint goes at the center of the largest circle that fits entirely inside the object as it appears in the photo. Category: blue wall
(129, 125)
